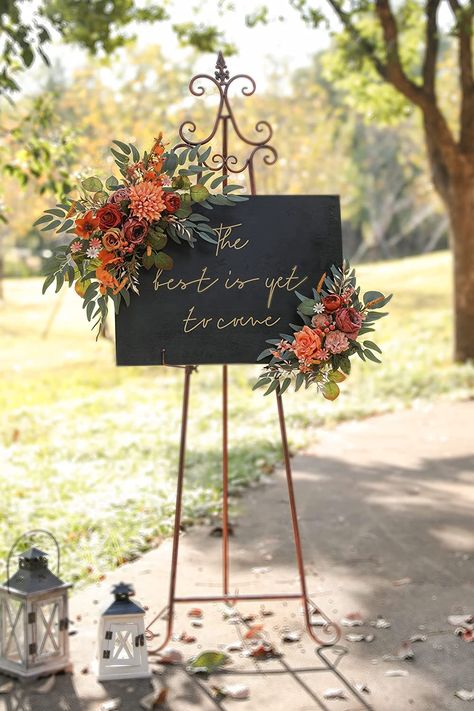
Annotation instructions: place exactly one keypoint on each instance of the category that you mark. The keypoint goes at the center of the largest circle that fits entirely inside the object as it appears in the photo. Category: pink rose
(336, 342)
(349, 320)
(135, 231)
(119, 196)
(321, 320)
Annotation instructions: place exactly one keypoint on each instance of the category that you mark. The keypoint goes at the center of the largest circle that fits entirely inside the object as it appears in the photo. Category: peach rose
(306, 343)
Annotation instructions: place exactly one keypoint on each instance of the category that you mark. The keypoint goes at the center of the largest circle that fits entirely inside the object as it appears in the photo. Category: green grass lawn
(89, 450)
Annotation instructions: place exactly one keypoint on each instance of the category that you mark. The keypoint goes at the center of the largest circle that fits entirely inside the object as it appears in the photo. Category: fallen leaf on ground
(195, 612)
(7, 687)
(401, 581)
(381, 623)
(405, 653)
(217, 531)
(353, 619)
(460, 620)
(207, 662)
(466, 635)
(335, 694)
(291, 636)
(263, 651)
(111, 705)
(360, 637)
(46, 686)
(253, 631)
(465, 695)
(233, 691)
(154, 700)
(249, 618)
(396, 672)
(85, 670)
(169, 655)
(186, 638)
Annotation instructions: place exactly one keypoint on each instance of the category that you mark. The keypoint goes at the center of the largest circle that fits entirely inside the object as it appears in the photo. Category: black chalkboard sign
(220, 303)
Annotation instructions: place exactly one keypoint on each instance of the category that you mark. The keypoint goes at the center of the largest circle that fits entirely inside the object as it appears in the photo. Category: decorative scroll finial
(221, 73)
(225, 119)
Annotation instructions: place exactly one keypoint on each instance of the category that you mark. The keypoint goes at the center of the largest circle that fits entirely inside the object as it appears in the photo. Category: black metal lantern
(33, 615)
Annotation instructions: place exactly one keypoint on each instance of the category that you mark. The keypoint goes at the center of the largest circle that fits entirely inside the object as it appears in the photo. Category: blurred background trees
(345, 123)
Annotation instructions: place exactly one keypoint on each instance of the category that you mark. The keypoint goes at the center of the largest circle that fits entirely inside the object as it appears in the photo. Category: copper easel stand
(228, 163)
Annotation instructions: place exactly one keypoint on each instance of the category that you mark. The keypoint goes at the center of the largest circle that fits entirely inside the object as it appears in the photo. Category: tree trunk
(461, 213)
(452, 174)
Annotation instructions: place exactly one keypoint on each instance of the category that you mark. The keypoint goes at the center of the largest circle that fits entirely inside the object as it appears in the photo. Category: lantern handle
(30, 533)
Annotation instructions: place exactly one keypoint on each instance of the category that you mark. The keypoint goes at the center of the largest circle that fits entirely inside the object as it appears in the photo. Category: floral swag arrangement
(319, 352)
(122, 226)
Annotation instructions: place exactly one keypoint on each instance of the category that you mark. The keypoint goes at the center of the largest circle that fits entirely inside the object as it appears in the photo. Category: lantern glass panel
(123, 646)
(13, 630)
(48, 615)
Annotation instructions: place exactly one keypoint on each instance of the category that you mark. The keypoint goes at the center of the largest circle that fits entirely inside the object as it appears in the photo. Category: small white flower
(318, 308)
(93, 252)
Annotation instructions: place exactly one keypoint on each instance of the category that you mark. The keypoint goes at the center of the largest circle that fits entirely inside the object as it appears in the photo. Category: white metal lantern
(122, 648)
(33, 616)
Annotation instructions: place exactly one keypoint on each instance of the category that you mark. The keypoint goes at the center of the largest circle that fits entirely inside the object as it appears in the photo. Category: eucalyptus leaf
(92, 185)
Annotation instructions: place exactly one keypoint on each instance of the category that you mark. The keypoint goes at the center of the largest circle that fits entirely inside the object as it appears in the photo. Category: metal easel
(226, 163)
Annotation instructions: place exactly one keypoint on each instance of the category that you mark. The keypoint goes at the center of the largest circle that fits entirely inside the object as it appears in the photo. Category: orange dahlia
(146, 201)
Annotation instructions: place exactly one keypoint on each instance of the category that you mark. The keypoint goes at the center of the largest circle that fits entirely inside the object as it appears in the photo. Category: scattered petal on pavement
(111, 705)
(401, 581)
(291, 635)
(7, 687)
(465, 695)
(396, 672)
(233, 691)
(335, 694)
(353, 619)
(46, 686)
(154, 700)
(460, 620)
(381, 623)
(169, 655)
(360, 637)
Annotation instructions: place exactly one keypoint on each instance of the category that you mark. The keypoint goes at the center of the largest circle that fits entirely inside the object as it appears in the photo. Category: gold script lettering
(280, 282)
(242, 321)
(203, 322)
(203, 283)
(224, 238)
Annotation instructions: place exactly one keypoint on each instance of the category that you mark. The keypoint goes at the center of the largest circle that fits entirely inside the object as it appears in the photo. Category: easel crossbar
(242, 598)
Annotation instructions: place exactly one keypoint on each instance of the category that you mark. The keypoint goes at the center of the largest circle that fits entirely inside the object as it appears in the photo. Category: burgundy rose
(109, 216)
(135, 231)
(119, 196)
(349, 320)
(172, 201)
(332, 302)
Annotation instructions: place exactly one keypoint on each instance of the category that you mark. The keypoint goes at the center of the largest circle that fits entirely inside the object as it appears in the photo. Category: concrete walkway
(387, 517)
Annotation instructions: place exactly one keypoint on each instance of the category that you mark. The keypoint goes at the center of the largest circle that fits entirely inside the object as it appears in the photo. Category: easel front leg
(225, 483)
(179, 500)
(330, 626)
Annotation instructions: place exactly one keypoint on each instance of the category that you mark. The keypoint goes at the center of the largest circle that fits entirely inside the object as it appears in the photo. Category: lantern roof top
(33, 576)
(33, 554)
(123, 605)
